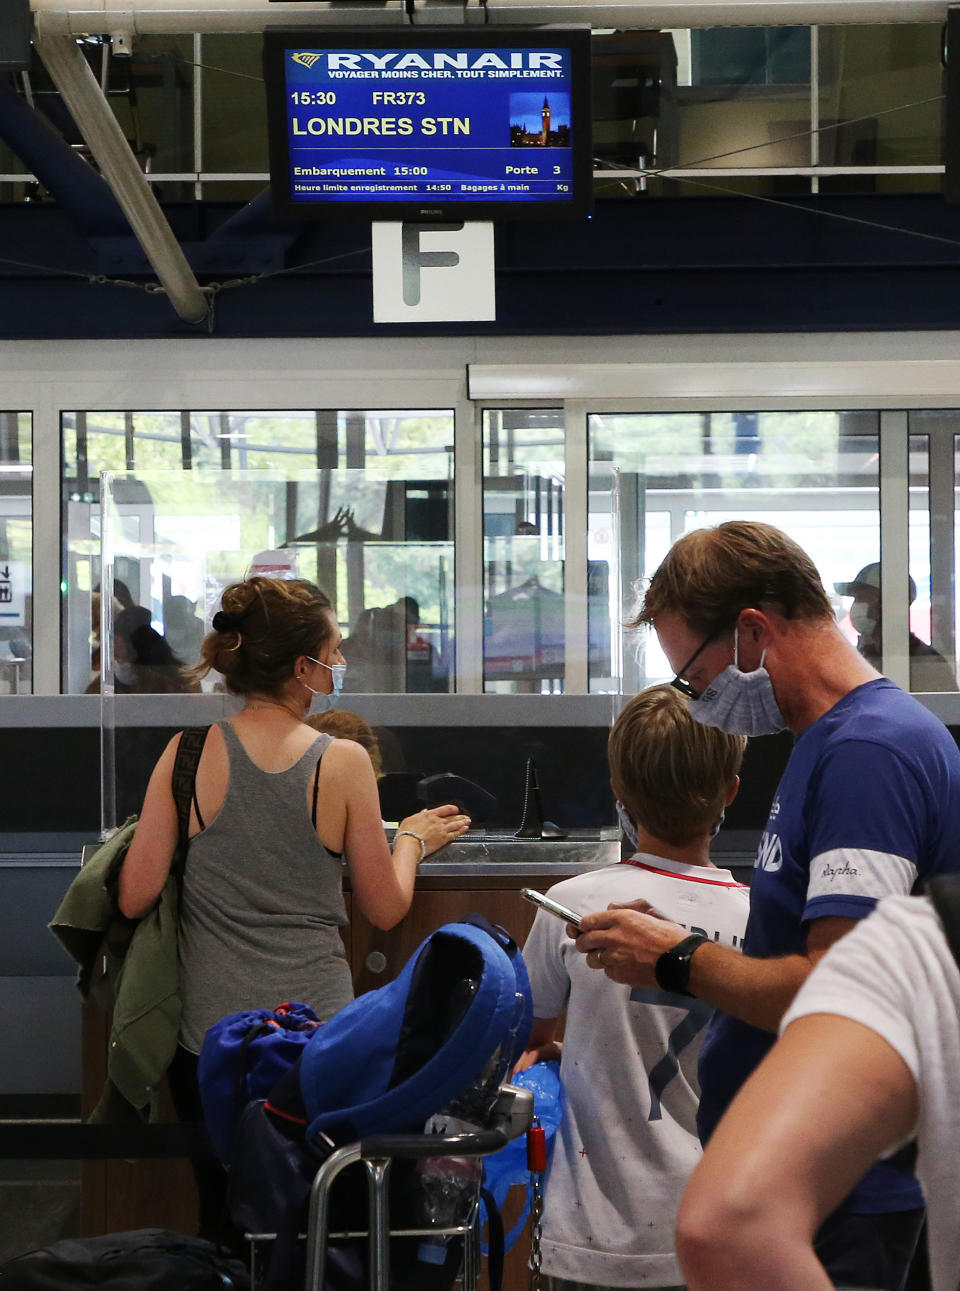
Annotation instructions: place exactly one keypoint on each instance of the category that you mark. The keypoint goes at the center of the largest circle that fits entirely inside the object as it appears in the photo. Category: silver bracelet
(410, 834)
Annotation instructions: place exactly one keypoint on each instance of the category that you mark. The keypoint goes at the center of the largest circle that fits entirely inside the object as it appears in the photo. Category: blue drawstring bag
(243, 1057)
(508, 1167)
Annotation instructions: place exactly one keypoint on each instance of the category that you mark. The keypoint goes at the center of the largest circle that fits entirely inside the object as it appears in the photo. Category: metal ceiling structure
(151, 17)
(107, 143)
(59, 23)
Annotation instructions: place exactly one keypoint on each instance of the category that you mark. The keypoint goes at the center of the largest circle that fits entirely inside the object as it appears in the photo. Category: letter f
(414, 259)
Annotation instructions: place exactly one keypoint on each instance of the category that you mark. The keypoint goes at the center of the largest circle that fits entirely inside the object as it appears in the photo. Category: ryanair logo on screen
(544, 61)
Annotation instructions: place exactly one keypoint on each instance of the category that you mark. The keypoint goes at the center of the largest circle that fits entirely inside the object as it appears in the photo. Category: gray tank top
(262, 900)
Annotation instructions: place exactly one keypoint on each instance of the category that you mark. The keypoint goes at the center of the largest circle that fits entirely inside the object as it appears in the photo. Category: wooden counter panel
(431, 908)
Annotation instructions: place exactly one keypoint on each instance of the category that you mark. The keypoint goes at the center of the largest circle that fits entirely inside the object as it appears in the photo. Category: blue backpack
(460, 1011)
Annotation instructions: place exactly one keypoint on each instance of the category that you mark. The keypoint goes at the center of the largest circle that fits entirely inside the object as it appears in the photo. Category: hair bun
(225, 622)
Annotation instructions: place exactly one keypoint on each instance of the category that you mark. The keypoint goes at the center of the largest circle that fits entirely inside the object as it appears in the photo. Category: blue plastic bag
(508, 1167)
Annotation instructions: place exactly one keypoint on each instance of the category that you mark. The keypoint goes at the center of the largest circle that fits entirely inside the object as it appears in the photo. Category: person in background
(628, 1140)
(344, 725)
(121, 600)
(868, 806)
(387, 653)
(279, 811)
(928, 668)
(144, 663)
(869, 1057)
(183, 628)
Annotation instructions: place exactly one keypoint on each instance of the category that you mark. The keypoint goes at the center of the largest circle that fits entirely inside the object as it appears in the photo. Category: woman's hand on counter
(437, 826)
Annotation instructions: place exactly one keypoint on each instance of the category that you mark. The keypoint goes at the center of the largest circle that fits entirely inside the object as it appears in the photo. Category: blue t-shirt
(868, 806)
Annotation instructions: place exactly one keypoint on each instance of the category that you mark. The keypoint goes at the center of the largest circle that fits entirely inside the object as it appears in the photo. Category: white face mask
(627, 825)
(863, 619)
(323, 702)
(630, 830)
(740, 703)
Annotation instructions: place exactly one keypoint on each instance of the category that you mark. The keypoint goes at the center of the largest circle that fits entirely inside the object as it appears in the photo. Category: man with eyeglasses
(868, 806)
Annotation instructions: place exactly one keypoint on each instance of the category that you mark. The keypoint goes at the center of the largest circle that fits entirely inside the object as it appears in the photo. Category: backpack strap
(944, 891)
(185, 788)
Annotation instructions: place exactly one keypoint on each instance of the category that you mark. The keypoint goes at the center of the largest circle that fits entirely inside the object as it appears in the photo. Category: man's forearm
(627, 943)
(758, 991)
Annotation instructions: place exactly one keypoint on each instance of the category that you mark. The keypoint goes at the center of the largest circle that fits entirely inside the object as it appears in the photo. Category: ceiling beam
(82, 94)
(146, 17)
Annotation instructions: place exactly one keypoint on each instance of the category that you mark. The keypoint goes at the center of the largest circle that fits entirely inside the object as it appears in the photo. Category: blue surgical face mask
(627, 825)
(740, 703)
(323, 702)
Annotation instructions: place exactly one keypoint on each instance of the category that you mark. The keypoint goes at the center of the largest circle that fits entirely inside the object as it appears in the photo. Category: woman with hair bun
(278, 811)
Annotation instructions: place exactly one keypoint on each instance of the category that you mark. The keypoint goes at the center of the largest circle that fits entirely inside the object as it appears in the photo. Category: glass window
(234, 112)
(932, 662)
(719, 99)
(16, 554)
(749, 88)
(862, 77)
(932, 551)
(151, 93)
(633, 86)
(605, 533)
(12, 188)
(152, 96)
(523, 551)
(360, 502)
(813, 474)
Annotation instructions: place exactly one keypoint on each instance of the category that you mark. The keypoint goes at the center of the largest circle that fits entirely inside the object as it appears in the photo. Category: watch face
(672, 969)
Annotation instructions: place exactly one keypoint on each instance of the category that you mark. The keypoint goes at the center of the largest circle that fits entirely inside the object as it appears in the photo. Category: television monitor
(429, 123)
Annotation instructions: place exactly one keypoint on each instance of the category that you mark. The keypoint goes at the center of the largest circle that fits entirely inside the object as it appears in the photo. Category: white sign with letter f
(433, 273)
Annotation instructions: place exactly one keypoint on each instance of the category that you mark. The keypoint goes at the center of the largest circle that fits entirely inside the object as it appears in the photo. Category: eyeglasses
(678, 682)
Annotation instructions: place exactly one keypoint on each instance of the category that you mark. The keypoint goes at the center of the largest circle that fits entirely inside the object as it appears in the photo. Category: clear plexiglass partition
(167, 543)
(171, 541)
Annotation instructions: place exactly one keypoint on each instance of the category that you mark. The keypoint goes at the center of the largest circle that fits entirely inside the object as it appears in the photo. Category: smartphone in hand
(551, 906)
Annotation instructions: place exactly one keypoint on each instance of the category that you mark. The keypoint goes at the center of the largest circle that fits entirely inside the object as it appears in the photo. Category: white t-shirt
(628, 1140)
(895, 974)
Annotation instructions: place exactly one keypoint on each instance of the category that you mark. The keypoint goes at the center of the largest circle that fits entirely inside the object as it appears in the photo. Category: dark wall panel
(52, 776)
(51, 780)
(644, 265)
(571, 763)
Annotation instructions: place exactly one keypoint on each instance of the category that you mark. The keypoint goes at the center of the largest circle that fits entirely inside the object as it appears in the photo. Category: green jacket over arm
(131, 967)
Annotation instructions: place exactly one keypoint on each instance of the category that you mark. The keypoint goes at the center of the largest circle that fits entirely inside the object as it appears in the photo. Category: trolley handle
(412, 1146)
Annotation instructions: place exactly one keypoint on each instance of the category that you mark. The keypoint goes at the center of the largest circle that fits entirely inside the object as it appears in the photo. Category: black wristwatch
(672, 969)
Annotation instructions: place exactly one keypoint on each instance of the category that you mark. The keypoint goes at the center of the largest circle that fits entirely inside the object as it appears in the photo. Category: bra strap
(316, 782)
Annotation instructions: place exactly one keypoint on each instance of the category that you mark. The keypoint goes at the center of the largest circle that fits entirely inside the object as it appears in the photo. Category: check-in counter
(481, 875)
